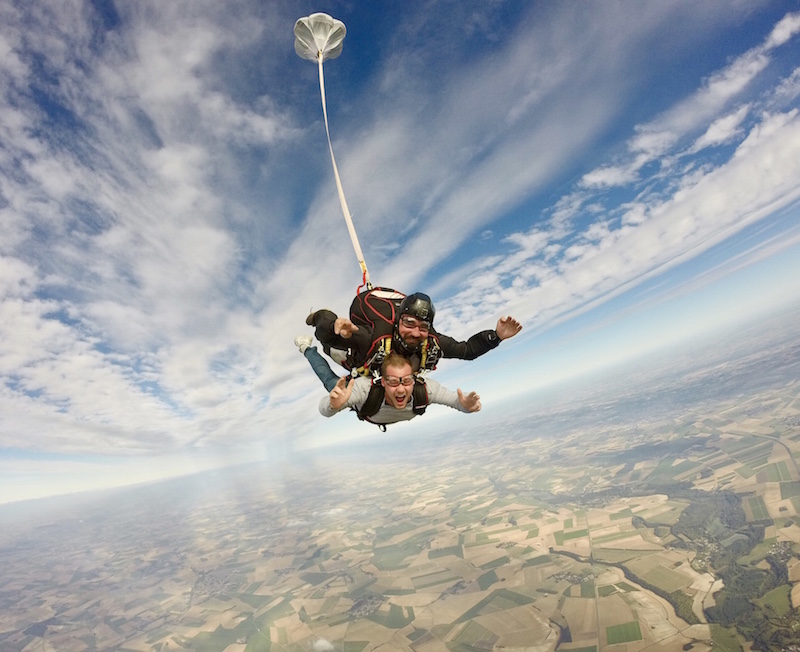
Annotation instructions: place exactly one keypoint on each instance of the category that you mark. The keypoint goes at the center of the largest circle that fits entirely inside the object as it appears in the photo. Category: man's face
(412, 331)
(400, 395)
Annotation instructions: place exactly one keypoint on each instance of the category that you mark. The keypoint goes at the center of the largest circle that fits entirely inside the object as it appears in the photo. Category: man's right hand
(341, 393)
(344, 328)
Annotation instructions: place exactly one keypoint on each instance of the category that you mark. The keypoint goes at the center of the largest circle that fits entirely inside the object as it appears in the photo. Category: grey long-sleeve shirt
(437, 394)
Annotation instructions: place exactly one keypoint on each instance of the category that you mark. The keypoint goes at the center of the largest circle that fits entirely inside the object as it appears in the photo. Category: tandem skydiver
(397, 395)
(410, 332)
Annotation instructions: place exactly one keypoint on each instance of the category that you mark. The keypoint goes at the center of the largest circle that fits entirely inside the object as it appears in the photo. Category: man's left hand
(470, 402)
(507, 327)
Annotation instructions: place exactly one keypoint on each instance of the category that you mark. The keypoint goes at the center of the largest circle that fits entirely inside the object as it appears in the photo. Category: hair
(394, 359)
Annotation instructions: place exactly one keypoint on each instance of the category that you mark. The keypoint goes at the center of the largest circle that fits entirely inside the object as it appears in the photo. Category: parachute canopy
(319, 35)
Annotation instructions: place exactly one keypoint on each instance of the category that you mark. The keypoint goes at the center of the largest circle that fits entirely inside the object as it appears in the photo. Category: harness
(377, 396)
(429, 353)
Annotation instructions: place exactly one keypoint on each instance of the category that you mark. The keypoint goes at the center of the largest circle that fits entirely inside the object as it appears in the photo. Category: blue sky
(619, 177)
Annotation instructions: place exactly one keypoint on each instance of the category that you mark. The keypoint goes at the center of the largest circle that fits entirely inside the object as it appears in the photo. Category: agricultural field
(605, 536)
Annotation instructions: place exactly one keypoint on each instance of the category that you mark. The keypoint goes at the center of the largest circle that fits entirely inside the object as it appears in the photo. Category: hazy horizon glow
(618, 181)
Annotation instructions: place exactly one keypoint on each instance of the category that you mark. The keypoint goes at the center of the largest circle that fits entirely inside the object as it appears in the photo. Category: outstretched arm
(438, 394)
(507, 327)
(471, 402)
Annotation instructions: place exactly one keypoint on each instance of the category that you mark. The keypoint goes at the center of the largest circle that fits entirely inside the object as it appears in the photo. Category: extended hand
(471, 402)
(341, 392)
(507, 327)
(344, 328)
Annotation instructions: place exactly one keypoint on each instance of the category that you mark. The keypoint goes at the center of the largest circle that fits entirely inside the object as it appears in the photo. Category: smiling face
(398, 395)
(412, 331)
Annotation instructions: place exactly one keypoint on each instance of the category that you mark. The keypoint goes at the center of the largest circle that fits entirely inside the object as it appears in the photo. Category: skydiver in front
(397, 395)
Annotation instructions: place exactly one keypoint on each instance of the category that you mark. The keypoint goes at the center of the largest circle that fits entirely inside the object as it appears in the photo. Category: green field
(498, 600)
(625, 633)
(432, 579)
(562, 536)
(397, 618)
(667, 579)
(611, 537)
(724, 639)
(759, 509)
(790, 490)
(474, 637)
(777, 600)
(495, 563)
(487, 579)
(457, 551)
(355, 646)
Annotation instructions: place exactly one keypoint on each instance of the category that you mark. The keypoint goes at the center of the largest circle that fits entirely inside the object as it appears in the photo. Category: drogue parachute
(320, 37)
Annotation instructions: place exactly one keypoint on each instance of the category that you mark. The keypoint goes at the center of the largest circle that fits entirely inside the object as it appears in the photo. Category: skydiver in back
(411, 334)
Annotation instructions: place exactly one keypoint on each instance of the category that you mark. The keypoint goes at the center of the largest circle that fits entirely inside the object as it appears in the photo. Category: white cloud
(760, 177)
(789, 88)
(786, 28)
(722, 130)
(654, 139)
(611, 175)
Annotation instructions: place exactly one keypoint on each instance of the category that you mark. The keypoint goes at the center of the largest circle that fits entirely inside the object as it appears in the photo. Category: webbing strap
(345, 210)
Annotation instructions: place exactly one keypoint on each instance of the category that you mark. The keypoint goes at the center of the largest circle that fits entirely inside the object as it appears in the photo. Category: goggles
(394, 381)
(412, 322)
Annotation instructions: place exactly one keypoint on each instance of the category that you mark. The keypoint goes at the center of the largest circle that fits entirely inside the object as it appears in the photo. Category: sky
(618, 177)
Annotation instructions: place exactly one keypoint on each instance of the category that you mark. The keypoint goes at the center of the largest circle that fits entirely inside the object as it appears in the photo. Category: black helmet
(418, 305)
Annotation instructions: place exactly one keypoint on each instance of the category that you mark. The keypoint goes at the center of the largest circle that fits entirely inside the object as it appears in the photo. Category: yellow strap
(424, 354)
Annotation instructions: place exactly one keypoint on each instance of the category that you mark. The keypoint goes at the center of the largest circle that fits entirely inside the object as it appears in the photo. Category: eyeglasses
(410, 322)
(394, 381)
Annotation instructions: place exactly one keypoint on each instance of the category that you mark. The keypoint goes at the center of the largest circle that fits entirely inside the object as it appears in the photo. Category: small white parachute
(319, 36)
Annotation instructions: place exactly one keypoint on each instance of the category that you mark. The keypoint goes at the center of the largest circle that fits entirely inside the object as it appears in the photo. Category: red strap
(363, 283)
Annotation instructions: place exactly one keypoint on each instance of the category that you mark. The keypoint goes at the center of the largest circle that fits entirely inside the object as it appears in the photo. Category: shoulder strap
(420, 396)
(430, 352)
(375, 399)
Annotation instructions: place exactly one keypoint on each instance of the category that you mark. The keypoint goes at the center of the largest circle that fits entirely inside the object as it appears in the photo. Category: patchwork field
(591, 537)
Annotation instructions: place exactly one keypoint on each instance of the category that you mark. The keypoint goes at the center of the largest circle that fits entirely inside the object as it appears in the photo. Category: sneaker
(302, 342)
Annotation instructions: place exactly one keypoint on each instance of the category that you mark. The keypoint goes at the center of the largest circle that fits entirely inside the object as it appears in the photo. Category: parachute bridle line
(342, 201)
